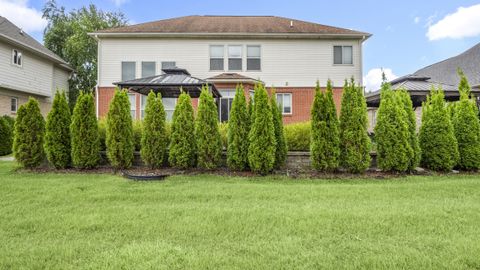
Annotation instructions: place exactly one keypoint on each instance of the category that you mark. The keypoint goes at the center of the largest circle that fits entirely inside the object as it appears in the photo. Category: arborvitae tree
(437, 137)
(57, 135)
(119, 135)
(261, 150)
(6, 137)
(84, 133)
(154, 137)
(325, 143)
(29, 135)
(281, 144)
(354, 141)
(467, 127)
(238, 128)
(412, 128)
(183, 144)
(207, 133)
(394, 152)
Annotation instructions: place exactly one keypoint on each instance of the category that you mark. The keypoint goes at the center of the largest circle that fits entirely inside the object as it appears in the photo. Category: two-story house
(287, 54)
(27, 69)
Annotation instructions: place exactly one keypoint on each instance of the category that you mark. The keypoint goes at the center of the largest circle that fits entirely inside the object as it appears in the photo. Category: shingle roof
(12, 33)
(234, 24)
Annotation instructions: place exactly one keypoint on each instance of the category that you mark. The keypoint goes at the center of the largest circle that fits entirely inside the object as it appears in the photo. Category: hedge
(297, 136)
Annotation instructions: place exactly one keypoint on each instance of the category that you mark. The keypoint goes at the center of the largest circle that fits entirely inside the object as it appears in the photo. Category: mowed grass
(74, 221)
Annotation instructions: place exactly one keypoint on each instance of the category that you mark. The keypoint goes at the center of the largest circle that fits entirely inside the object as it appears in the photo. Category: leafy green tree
(183, 144)
(280, 142)
(57, 136)
(467, 127)
(154, 137)
(10, 120)
(209, 142)
(238, 128)
(119, 141)
(67, 35)
(405, 99)
(262, 144)
(84, 133)
(394, 152)
(354, 141)
(325, 143)
(29, 135)
(6, 137)
(437, 137)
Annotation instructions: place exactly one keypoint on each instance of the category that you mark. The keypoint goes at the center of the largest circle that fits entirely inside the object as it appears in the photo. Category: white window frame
(260, 57)
(232, 96)
(282, 108)
(134, 116)
(210, 56)
(343, 58)
(168, 110)
(154, 67)
(236, 58)
(19, 58)
(143, 106)
(16, 104)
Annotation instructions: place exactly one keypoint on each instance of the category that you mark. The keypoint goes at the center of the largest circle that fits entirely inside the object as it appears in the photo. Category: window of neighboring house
(169, 106)
(148, 69)
(17, 57)
(13, 104)
(252, 94)
(374, 118)
(133, 105)
(342, 55)
(143, 105)
(216, 57)
(225, 104)
(128, 71)
(235, 57)
(253, 57)
(169, 64)
(284, 101)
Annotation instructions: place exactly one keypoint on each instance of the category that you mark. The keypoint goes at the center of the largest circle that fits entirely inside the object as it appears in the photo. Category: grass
(74, 221)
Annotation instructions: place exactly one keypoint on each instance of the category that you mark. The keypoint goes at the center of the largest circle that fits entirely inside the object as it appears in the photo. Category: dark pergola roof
(169, 84)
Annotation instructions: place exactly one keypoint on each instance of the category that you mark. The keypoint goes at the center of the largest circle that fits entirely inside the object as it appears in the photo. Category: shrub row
(6, 134)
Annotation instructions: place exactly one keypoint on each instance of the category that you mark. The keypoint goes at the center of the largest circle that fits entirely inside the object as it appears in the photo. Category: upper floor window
(148, 69)
(128, 71)
(253, 57)
(216, 57)
(235, 57)
(342, 55)
(16, 57)
(284, 101)
(168, 64)
(13, 104)
(133, 105)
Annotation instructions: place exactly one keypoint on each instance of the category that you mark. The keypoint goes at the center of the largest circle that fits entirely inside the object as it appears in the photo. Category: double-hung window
(13, 104)
(133, 105)
(169, 106)
(16, 57)
(216, 57)
(235, 57)
(284, 101)
(225, 104)
(143, 105)
(342, 55)
(148, 69)
(253, 57)
(128, 71)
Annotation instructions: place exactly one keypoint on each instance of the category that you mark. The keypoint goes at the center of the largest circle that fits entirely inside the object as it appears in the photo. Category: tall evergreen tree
(281, 144)
(209, 142)
(238, 128)
(57, 137)
(154, 137)
(405, 99)
(467, 127)
(84, 133)
(261, 150)
(29, 135)
(325, 141)
(354, 141)
(437, 137)
(183, 146)
(119, 140)
(6, 137)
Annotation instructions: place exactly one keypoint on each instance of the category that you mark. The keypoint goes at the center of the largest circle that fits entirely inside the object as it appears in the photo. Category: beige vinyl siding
(284, 62)
(60, 79)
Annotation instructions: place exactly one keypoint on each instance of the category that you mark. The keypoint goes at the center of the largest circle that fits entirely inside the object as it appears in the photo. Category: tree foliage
(280, 142)
(437, 138)
(262, 144)
(183, 144)
(29, 135)
(154, 137)
(119, 136)
(325, 143)
(84, 133)
(6, 137)
(238, 129)
(354, 141)
(57, 136)
(412, 128)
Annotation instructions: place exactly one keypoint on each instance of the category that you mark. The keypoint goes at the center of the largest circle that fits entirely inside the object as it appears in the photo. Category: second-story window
(342, 55)
(128, 71)
(16, 57)
(148, 69)
(216, 57)
(235, 57)
(168, 64)
(253, 57)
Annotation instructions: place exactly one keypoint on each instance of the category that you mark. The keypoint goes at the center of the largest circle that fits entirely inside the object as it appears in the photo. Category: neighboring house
(27, 69)
(289, 54)
(443, 74)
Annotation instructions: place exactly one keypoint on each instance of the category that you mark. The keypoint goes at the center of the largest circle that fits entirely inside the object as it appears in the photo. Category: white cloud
(119, 2)
(462, 23)
(416, 20)
(23, 16)
(373, 79)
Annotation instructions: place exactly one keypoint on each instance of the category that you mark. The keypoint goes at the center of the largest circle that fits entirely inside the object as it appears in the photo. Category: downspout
(98, 77)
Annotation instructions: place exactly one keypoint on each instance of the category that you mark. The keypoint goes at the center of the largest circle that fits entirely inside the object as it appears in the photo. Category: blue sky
(399, 42)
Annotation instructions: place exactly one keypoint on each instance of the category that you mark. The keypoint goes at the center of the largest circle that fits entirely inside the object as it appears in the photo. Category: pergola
(170, 84)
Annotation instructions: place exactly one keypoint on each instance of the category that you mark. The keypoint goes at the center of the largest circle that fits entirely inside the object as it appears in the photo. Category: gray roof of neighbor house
(232, 77)
(234, 25)
(13, 34)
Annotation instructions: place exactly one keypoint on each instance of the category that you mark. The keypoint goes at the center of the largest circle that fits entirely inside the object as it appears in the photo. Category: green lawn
(58, 221)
